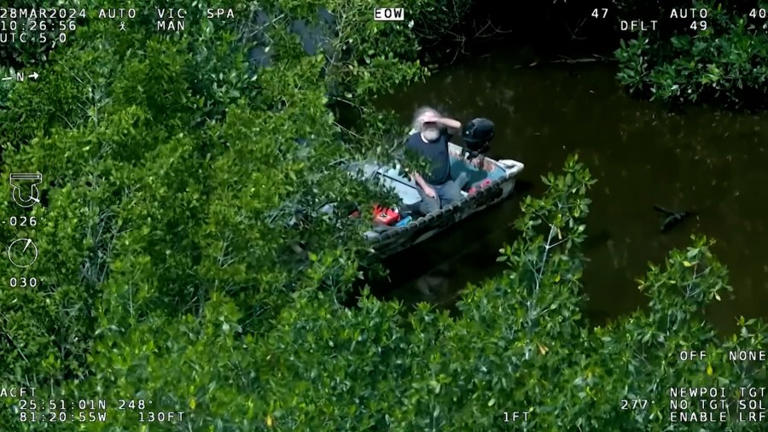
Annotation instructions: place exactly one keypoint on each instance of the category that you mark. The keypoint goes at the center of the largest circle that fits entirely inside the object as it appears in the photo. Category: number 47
(599, 13)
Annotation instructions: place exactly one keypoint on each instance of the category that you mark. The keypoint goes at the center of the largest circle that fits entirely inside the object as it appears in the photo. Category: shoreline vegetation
(185, 261)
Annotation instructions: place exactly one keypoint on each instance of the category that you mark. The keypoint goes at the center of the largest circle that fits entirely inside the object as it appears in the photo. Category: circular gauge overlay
(22, 252)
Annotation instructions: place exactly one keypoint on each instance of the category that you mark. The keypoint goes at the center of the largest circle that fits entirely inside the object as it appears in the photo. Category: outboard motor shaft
(477, 136)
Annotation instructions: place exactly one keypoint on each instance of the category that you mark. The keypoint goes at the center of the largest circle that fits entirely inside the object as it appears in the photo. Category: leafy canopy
(184, 259)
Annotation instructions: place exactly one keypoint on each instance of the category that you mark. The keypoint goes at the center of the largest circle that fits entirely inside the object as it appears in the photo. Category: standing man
(430, 141)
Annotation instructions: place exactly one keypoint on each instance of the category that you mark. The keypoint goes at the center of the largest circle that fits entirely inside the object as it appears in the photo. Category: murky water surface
(711, 162)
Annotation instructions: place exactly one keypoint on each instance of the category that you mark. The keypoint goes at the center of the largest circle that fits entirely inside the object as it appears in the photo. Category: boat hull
(395, 239)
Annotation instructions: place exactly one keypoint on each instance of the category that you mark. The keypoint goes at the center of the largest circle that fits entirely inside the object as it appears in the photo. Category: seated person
(430, 141)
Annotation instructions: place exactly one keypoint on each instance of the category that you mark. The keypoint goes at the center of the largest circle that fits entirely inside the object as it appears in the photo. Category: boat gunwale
(511, 169)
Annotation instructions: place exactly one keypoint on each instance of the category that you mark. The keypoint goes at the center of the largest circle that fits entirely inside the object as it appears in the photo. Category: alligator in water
(672, 219)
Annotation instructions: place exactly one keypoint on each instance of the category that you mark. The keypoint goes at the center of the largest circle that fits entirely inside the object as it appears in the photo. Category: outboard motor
(477, 136)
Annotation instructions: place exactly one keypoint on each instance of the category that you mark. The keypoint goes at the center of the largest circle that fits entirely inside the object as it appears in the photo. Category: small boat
(493, 182)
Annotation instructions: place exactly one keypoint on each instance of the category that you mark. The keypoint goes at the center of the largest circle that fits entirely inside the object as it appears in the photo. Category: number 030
(23, 282)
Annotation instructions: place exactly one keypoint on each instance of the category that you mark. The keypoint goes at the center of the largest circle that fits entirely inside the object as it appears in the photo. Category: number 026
(22, 221)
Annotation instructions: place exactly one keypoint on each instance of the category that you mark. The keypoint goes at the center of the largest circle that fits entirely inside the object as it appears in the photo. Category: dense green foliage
(184, 258)
(724, 63)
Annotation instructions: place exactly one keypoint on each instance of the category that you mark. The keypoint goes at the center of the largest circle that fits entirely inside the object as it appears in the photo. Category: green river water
(711, 162)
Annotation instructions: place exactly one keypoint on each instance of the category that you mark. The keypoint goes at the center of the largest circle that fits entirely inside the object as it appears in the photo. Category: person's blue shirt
(436, 154)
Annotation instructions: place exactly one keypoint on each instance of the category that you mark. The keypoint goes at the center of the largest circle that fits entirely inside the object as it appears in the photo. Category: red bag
(384, 215)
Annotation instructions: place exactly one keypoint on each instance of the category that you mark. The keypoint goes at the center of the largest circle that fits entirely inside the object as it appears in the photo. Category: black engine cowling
(477, 136)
